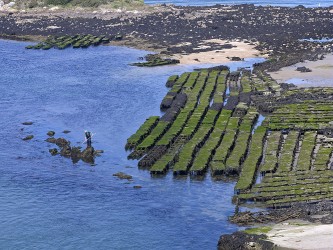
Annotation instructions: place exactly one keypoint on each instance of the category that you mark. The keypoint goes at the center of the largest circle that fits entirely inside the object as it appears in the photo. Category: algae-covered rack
(208, 129)
(77, 41)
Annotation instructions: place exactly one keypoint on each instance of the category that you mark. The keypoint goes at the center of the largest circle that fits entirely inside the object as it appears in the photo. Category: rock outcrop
(66, 150)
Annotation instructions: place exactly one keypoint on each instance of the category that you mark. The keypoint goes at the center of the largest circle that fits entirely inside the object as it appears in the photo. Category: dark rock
(87, 155)
(318, 212)
(51, 140)
(53, 151)
(155, 60)
(66, 151)
(76, 154)
(122, 175)
(243, 241)
(236, 58)
(137, 187)
(51, 133)
(28, 137)
(61, 142)
(27, 123)
(66, 131)
(303, 69)
(227, 46)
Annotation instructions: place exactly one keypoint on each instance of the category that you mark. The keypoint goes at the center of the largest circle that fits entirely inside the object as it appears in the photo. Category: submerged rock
(66, 151)
(51, 140)
(28, 137)
(27, 123)
(51, 133)
(76, 154)
(61, 142)
(87, 155)
(66, 131)
(98, 152)
(122, 175)
(53, 151)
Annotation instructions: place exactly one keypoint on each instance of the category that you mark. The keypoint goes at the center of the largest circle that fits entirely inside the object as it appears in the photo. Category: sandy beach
(239, 49)
(302, 235)
(321, 75)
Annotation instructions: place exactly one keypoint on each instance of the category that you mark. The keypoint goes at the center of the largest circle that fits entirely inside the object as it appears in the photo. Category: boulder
(303, 69)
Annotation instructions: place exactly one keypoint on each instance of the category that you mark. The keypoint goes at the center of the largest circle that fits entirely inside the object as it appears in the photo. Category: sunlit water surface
(47, 202)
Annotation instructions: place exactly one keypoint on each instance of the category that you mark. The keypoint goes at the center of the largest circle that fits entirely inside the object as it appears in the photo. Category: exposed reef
(279, 32)
(74, 153)
(317, 213)
(244, 241)
(153, 60)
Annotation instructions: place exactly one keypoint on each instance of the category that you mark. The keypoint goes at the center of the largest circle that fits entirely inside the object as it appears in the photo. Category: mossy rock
(28, 137)
(50, 133)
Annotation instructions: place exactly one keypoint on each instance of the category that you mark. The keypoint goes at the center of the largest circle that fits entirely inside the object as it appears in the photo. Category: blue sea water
(47, 202)
(286, 3)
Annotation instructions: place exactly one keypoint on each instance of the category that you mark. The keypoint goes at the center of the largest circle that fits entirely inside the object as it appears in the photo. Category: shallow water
(285, 3)
(49, 202)
(322, 40)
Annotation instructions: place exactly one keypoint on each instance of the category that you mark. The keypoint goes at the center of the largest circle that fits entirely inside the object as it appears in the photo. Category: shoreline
(321, 74)
(196, 34)
(301, 235)
(193, 34)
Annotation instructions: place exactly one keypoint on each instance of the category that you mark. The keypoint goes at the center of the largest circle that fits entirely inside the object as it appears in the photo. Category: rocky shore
(174, 30)
(277, 33)
(287, 228)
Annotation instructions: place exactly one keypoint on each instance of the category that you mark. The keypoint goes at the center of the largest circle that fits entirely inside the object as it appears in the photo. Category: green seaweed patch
(258, 230)
(154, 60)
(76, 41)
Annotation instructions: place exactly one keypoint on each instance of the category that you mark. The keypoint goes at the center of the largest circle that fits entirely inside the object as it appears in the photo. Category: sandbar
(321, 75)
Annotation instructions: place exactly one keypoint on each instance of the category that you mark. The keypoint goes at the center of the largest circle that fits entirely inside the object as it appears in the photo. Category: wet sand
(239, 49)
(302, 236)
(321, 75)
